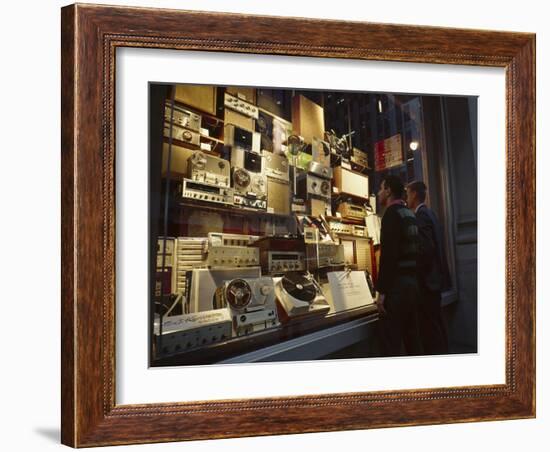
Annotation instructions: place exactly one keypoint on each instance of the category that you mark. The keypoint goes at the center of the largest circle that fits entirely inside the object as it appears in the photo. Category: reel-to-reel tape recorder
(251, 303)
(209, 169)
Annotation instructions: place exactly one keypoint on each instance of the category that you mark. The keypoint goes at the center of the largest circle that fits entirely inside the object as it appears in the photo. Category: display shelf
(346, 220)
(229, 209)
(234, 347)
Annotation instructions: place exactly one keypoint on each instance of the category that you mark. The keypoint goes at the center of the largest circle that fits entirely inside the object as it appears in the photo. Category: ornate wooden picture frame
(90, 37)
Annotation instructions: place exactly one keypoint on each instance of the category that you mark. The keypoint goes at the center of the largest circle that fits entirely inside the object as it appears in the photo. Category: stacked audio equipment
(264, 204)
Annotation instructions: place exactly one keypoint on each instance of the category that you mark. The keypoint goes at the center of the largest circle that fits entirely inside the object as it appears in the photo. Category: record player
(300, 295)
(251, 302)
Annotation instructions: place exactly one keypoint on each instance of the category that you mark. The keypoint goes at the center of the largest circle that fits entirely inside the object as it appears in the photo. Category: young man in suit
(433, 274)
(397, 283)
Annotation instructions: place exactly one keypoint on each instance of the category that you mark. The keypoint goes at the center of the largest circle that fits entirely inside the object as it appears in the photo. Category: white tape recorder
(251, 303)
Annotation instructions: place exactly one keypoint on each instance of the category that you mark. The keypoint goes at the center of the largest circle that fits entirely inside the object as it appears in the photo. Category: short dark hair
(419, 188)
(395, 185)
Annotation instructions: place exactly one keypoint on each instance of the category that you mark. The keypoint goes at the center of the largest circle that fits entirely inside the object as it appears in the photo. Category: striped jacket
(399, 246)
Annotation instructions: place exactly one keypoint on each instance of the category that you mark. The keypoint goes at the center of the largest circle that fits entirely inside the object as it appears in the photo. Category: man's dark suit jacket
(433, 273)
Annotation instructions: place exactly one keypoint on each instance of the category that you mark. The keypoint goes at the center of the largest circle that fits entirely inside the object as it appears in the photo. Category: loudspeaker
(201, 97)
(308, 118)
(278, 196)
(351, 182)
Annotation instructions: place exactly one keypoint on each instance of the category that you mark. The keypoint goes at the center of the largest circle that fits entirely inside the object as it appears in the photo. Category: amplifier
(222, 238)
(352, 211)
(182, 117)
(181, 134)
(322, 255)
(341, 228)
(207, 192)
(209, 169)
(187, 332)
(240, 105)
(201, 97)
(274, 261)
(324, 172)
(359, 157)
(308, 185)
(351, 182)
(232, 256)
(276, 165)
(205, 281)
(278, 196)
(248, 93)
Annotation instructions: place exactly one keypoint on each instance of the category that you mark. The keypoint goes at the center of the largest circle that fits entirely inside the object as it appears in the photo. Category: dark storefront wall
(451, 142)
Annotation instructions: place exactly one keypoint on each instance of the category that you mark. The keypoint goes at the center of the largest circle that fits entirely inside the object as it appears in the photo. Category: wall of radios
(225, 285)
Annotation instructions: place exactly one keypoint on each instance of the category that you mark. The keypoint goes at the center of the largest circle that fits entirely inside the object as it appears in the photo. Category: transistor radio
(208, 169)
(183, 117)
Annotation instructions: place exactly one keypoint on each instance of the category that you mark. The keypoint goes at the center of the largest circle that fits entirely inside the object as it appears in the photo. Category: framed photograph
(268, 221)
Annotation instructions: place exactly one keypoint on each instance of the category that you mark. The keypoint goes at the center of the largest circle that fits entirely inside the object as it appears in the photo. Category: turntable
(300, 295)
